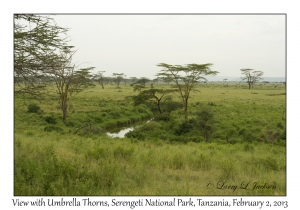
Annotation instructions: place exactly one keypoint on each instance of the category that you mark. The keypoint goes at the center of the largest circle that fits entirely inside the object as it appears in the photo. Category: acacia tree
(125, 80)
(36, 41)
(185, 77)
(251, 76)
(133, 79)
(143, 81)
(99, 77)
(152, 94)
(118, 78)
(42, 57)
(68, 81)
(225, 82)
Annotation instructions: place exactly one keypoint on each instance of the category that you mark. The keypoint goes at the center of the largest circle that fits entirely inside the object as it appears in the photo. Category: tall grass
(76, 166)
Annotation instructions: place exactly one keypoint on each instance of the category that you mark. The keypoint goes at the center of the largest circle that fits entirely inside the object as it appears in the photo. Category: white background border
(291, 8)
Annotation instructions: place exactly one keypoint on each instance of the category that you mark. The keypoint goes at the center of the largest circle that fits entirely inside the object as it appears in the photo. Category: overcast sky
(135, 44)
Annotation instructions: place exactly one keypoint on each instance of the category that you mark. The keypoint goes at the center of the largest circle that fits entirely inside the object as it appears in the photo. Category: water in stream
(121, 133)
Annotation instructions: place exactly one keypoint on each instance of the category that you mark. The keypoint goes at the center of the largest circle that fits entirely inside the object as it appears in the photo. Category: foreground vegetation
(167, 156)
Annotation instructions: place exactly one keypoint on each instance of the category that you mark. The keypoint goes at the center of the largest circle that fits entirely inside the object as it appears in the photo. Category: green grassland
(247, 146)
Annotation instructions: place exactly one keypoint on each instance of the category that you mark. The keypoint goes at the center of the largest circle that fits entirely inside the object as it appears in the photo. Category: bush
(98, 119)
(149, 126)
(33, 108)
(279, 125)
(249, 136)
(69, 124)
(141, 108)
(163, 117)
(283, 135)
(205, 121)
(50, 120)
(90, 129)
(185, 127)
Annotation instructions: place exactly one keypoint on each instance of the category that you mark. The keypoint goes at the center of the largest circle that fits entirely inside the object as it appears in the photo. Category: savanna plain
(241, 150)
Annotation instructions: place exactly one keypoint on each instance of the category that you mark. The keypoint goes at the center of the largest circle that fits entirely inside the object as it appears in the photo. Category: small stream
(121, 133)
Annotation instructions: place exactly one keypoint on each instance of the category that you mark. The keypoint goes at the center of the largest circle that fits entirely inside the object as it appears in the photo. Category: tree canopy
(251, 76)
(38, 42)
(153, 94)
(185, 77)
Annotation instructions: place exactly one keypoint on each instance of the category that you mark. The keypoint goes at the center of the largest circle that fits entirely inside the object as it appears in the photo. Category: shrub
(90, 129)
(185, 127)
(33, 108)
(283, 135)
(281, 143)
(205, 121)
(50, 120)
(69, 124)
(141, 108)
(149, 126)
(163, 117)
(249, 136)
(242, 131)
(98, 119)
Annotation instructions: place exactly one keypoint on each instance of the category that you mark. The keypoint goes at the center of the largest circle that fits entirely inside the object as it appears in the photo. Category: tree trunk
(186, 109)
(65, 111)
(64, 108)
(158, 106)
